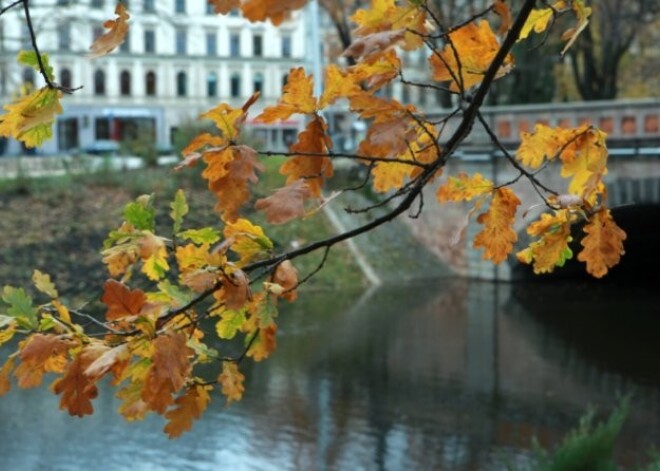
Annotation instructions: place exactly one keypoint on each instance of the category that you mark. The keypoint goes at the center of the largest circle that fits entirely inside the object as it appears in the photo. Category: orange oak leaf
(224, 6)
(501, 8)
(264, 344)
(5, 371)
(545, 143)
(386, 15)
(200, 143)
(39, 354)
(378, 70)
(229, 174)
(121, 301)
(464, 188)
(274, 10)
(118, 27)
(235, 292)
(585, 160)
(189, 407)
(77, 388)
(313, 169)
(603, 244)
(297, 97)
(285, 203)
(475, 45)
(231, 381)
(497, 237)
(169, 371)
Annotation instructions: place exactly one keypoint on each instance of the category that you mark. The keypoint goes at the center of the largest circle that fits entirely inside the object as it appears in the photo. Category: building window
(209, 8)
(258, 82)
(65, 78)
(181, 41)
(235, 45)
(99, 82)
(97, 3)
(234, 12)
(235, 85)
(126, 45)
(211, 44)
(181, 84)
(286, 46)
(150, 41)
(102, 128)
(149, 6)
(212, 85)
(257, 45)
(125, 83)
(64, 37)
(180, 6)
(150, 83)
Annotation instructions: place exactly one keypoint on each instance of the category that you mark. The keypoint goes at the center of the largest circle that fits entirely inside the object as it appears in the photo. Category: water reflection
(450, 376)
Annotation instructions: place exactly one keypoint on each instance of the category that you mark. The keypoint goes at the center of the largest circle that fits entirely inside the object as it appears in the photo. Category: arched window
(181, 84)
(65, 78)
(125, 83)
(99, 82)
(150, 83)
(235, 85)
(212, 84)
(258, 82)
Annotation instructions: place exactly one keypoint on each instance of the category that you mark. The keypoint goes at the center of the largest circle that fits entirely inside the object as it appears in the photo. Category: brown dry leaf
(374, 44)
(276, 11)
(118, 27)
(285, 203)
(189, 407)
(235, 292)
(77, 388)
(264, 344)
(169, 371)
(286, 276)
(121, 301)
(39, 354)
(504, 12)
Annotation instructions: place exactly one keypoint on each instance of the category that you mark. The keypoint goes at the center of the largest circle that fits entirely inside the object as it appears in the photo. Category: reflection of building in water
(179, 60)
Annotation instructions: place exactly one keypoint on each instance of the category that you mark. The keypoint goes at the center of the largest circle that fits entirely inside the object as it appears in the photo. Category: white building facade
(179, 60)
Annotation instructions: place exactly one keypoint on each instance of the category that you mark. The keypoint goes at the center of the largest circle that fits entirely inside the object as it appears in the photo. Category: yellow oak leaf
(498, 236)
(338, 84)
(231, 381)
(297, 97)
(44, 284)
(537, 21)
(189, 407)
(118, 27)
(386, 15)
(153, 251)
(464, 187)
(30, 118)
(475, 45)
(248, 240)
(585, 159)
(377, 71)
(603, 244)
(545, 143)
(228, 120)
(551, 249)
(315, 168)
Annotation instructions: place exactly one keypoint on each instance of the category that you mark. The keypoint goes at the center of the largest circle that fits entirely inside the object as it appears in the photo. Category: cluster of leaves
(151, 343)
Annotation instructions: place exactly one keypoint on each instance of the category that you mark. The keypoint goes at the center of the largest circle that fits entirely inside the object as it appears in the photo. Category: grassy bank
(58, 224)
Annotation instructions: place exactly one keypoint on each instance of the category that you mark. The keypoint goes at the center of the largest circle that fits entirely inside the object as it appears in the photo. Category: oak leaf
(5, 371)
(464, 187)
(386, 15)
(377, 71)
(312, 168)
(466, 59)
(501, 8)
(231, 381)
(235, 292)
(77, 388)
(189, 407)
(170, 369)
(338, 84)
(374, 44)
(498, 236)
(118, 28)
(44, 284)
(264, 343)
(121, 301)
(285, 203)
(30, 118)
(224, 6)
(276, 11)
(552, 248)
(248, 240)
(39, 354)
(111, 359)
(603, 244)
(537, 21)
(286, 276)
(230, 323)
(297, 97)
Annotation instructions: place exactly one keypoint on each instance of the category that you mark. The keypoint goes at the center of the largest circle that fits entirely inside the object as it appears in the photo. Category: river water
(451, 375)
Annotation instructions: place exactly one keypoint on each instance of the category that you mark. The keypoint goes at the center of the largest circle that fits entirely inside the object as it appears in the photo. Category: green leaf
(29, 58)
(179, 210)
(169, 292)
(205, 235)
(20, 306)
(141, 213)
(230, 323)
